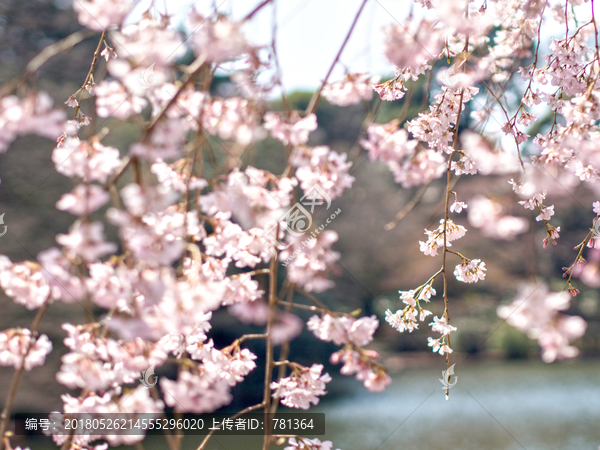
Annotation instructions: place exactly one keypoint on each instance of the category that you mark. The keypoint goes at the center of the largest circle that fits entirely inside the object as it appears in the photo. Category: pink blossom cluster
(24, 283)
(322, 167)
(98, 15)
(343, 330)
(312, 258)
(435, 127)
(536, 311)
(412, 46)
(470, 271)
(19, 349)
(353, 334)
(351, 90)
(406, 319)
(441, 344)
(410, 164)
(219, 40)
(308, 444)
(534, 202)
(138, 401)
(303, 387)
(193, 239)
(362, 363)
(292, 131)
(101, 364)
(435, 238)
(31, 115)
(232, 118)
(486, 215)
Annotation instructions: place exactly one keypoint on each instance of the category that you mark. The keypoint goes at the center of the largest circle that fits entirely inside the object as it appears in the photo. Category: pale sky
(310, 33)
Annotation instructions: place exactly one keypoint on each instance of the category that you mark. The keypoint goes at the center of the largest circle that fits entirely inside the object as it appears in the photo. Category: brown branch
(193, 70)
(14, 385)
(255, 10)
(269, 353)
(235, 416)
(46, 54)
(407, 208)
(314, 101)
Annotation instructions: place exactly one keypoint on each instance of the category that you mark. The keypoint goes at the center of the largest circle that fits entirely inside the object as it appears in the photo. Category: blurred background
(505, 397)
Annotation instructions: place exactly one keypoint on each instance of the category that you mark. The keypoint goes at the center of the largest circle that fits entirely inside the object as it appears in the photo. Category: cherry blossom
(343, 330)
(480, 155)
(20, 350)
(535, 202)
(457, 207)
(287, 327)
(149, 45)
(535, 310)
(435, 238)
(441, 325)
(362, 363)
(113, 100)
(435, 127)
(196, 393)
(470, 271)
(412, 46)
(308, 444)
(203, 230)
(486, 215)
(242, 290)
(31, 115)
(86, 240)
(303, 387)
(406, 319)
(232, 118)
(351, 90)
(24, 282)
(293, 131)
(312, 261)
(169, 178)
(110, 286)
(247, 194)
(388, 143)
(222, 365)
(88, 161)
(103, 363)
(219, 40)
(320, 166)
(83, 199)
(57, 269)
(98, 15)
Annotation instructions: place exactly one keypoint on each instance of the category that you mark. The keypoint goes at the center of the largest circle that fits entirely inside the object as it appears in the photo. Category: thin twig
(269, 353)
(314, 101)
(14, 385)
(407, 208)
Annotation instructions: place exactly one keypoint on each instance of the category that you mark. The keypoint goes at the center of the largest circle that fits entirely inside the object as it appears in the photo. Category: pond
(493, 406)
